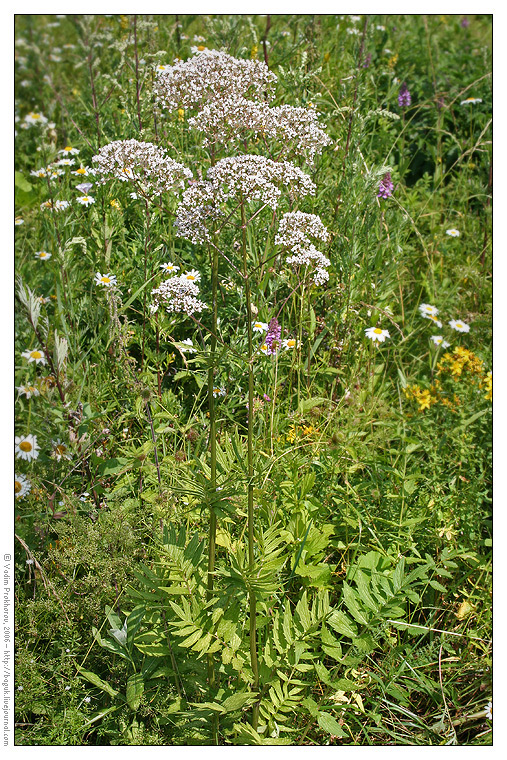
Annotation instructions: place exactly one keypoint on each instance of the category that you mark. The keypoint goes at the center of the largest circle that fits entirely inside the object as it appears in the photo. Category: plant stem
(213, 465)
(251, 561)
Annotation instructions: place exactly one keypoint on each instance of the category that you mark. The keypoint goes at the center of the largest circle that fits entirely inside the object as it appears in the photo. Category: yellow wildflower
(254, 51)
(393, 61)
(115, 204)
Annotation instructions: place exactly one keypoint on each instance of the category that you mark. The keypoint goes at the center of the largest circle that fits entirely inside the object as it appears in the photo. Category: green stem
(213, 466)
(251, 560)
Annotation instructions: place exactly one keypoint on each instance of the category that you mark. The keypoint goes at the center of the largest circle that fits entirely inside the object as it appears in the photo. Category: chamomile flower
(66, 162)
(438, 340)
(193, 275)
(28, 390)
(459, 325)
(26, 447)
(188, 342)
(199, 49)
(41, 173)
(259, 326)
(106, 280)
(85, 200)
(162, 67)
(290, 343)
(22, 486)
(83, 171)
(60, 451)
(42, 255)
(452, 232)
(219, 391)
(170, 268)
(35, 118)
(488, 710)
(427, 310)
(35, 355)
(69, 150)
(18, 221)
(376, 334)
(264, 349)
(470, 101)
(433, 319)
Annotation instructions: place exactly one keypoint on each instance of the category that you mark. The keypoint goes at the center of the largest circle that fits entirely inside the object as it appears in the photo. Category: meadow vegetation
(253, 380)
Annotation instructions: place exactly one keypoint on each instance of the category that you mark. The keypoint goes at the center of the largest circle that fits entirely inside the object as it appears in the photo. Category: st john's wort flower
(404, 97)
(105, 280)
(22, 486)
(34, 355)
(26, 447)
(386, 186)
(459, 325)
(377, 334)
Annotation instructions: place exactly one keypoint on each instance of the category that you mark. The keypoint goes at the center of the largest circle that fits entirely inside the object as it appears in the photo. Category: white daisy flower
(69, 150)
(219, 391)
(459, 325)
(168, 267)
(26, 447)
(22, 486)
(60, 451)
(34, 356)
(83, 171)
(193, 275)
(438, 340)
(375, 333)
(264, 348)
(433, 319)
(289, 343)
(42, 172)
(66, 162)
(427, 310)
(190, 346)
(42, 255)
(35, 118)
(106, 280)
(162, 67)
(470, 101)
(85, 200)
(18, 221)
(28, 390)
(259, 326)
(198, 49)
(452, 232)
(488, 711)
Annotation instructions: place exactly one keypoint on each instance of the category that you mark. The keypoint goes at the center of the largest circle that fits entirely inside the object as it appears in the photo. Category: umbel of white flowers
(294, 232)
(232, 97)
(142, 163)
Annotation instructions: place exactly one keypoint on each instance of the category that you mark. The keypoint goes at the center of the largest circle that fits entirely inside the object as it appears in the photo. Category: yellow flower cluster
(306, 430)
(115, 204)
(254, 51)
(393, 60)
(487, 383)
(459, 360)
(424, 397)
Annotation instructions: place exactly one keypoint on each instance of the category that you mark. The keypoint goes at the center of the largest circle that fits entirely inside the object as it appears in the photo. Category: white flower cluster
(143, 163)
(294, 232)
(178, 294)
(296, 128)
(256, 178)
(211, 76)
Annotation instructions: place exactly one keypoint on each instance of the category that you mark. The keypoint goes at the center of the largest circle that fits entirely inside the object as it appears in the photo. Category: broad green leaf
(96, 681)
(330, 724)
(342, 624)
(135, 689)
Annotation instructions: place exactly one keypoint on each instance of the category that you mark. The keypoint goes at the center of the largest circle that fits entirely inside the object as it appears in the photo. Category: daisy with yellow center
(193, 275)
(60, 451)
(452, 232)
(290, 343)
(18, 221)
(22, 486)
(433, 319)
(168, 267)
(438, 340)
(26, 447)
(85, 200)
(27, 390)
(264, 348)
(35, 355)
(219, 391)
(427, 310)
(69, 150)
(35, 118)
(42, 255)
(259, 326)
(470, 101)
(377, 334)
(105, 280)
(459, 325)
